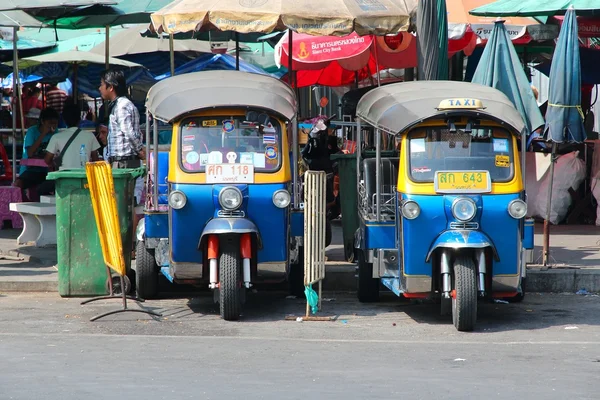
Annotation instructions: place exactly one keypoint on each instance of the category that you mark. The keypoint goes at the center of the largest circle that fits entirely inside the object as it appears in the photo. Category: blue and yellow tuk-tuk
(443, 215)
(222, 209)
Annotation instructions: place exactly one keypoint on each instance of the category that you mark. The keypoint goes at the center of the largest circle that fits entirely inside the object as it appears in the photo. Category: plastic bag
(569, 172)
(312, 298)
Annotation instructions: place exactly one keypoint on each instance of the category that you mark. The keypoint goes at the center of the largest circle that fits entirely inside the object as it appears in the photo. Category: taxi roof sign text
(461, 103)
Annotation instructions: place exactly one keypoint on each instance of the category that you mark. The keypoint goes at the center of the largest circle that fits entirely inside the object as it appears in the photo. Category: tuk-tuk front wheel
(368, 287)
(230, 277)
(464, 301)
(146, 272)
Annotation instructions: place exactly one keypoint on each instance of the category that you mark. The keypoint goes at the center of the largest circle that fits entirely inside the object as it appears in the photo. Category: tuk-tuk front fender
(220, 226)
(462, 239)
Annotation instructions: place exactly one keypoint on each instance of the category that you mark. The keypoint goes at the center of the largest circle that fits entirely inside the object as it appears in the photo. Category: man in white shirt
(71, 158)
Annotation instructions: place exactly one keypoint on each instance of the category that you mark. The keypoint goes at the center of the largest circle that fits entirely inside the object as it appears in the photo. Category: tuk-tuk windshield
(229, 140)
(434, 149)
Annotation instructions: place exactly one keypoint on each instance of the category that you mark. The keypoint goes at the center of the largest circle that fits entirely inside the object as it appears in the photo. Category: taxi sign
(462, 182)
(229, 173)
(461, 104)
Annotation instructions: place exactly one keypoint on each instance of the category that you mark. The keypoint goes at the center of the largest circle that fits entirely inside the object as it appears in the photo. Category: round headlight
(177, 199)
(230, 198)
(410, 209)
(464, 209)
(281, 198)
(517, 208)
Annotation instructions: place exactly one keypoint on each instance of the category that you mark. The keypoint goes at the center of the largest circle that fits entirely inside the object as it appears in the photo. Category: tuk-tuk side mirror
(263, 119)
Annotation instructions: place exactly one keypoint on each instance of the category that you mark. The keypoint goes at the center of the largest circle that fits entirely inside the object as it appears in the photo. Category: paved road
(545, 348)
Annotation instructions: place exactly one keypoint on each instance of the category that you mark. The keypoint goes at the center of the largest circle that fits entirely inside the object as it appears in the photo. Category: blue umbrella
(564, 118)
(500, 68)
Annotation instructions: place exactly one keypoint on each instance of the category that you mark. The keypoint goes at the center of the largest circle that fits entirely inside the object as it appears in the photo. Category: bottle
(82, 156)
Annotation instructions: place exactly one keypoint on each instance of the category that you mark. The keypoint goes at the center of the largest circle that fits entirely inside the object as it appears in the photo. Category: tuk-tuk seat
(389, 177)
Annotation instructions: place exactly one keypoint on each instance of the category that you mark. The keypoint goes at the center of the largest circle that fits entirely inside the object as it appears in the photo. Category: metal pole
(358, 153)
(237, 51)
(377, 66)
(523, 155)
(107, 47)
(172, 54)
(546, 249)
(377, 173)
(296, 193)
(155, 165)
(290, 59)
(14, 113)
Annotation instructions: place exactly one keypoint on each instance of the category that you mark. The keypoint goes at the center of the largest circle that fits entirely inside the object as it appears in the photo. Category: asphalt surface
(547, 347)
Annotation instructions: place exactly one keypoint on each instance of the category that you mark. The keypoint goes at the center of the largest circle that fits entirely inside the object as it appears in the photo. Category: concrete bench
(48, 199)
(39, 223)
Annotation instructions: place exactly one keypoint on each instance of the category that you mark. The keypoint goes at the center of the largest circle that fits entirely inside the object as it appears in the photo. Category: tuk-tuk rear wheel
(146, 272)
(230, 277)
(464, 302)
(368, 287)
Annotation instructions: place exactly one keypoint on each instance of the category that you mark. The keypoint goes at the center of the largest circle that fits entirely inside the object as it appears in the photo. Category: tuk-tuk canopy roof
(179, 95)
(394, 108)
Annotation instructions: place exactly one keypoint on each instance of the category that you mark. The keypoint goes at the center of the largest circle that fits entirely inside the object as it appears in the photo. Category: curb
(31, 286)
(341, 278)
(18, 256)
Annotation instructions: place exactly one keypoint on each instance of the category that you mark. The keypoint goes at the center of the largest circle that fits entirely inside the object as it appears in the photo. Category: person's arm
(125, 121)
(50, 151)
(32, 146)
(94, 145)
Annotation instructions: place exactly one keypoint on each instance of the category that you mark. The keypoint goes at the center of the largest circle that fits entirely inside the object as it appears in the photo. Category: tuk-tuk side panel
(504, 231)
(379, 235)
(156, 225)
(419, 234)
(272, 222)
(187, 224)
(297, 223)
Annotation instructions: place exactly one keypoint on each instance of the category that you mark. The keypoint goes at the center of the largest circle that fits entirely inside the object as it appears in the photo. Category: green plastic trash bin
(81, 268)
(348, 200)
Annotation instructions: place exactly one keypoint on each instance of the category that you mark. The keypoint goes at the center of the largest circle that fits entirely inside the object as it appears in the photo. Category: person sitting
(35, 142)
(71, 156)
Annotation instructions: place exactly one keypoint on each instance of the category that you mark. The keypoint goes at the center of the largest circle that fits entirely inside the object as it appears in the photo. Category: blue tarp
(209, 62)
(564, 117)
(500, 68)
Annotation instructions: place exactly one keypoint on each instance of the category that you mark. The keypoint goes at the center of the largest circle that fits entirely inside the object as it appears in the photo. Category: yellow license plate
(462, 182)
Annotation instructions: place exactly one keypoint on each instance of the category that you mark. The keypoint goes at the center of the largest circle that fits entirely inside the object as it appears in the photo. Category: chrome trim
(506, 283)
(416, 284)
(232, 214)
(464, 226)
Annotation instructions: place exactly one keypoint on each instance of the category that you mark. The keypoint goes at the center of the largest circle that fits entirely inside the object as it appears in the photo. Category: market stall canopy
(396, 107)
(537, 8)
(48, 9)
(432, 40)
(313, 17)
(501, 68)
(521, 30)
(18, 19)
(71, 57)
(587, 27)
(179, 95)
(130, 41)
(564, 117)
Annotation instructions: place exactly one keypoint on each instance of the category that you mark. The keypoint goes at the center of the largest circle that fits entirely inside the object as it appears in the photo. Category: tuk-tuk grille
(235, 214)
(464, 225)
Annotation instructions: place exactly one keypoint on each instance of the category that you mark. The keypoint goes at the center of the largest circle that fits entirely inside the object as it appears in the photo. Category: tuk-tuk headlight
(230, 198)
(517, 208)
(410, 209)
(464, 209)
(281, 198)
(177, 199)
